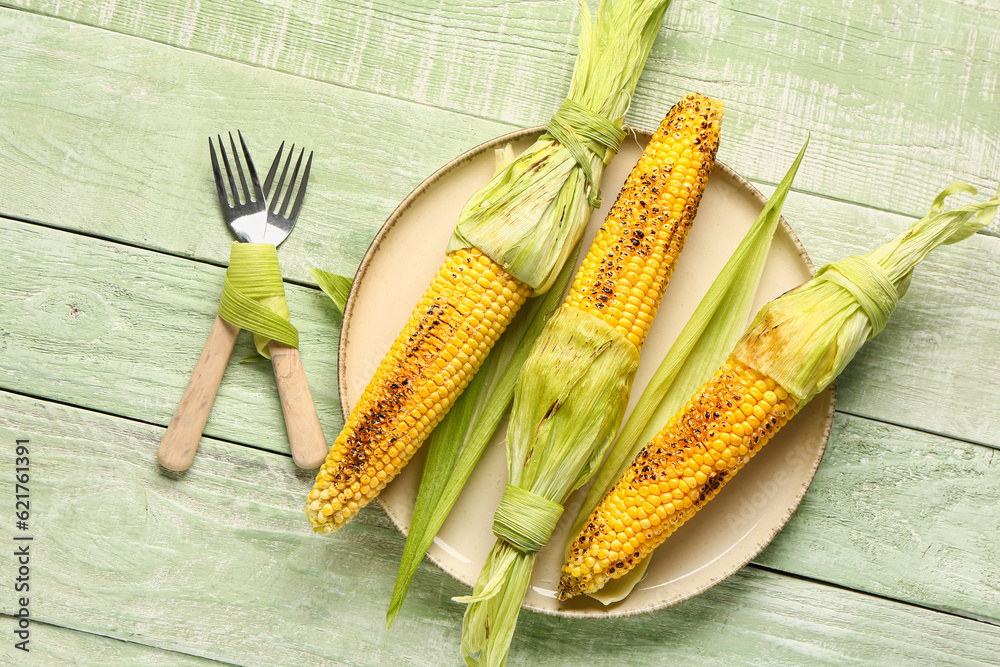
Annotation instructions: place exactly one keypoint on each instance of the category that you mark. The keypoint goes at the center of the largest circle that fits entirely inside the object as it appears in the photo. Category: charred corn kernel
(415, 385)
(627, 268)
(692, 432)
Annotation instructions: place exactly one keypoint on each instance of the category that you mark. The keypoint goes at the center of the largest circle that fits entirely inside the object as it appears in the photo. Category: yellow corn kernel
(664, 463)
(423, 373)
(648, 224)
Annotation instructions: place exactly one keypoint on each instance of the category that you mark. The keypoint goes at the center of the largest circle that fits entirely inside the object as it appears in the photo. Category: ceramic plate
(722, 537)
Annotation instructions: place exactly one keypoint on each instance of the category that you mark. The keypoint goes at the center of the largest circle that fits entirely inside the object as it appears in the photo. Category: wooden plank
(160, 196)
(117, 329)
(902, 514)
(119, 127)
(51, 645)
(228, 570)
(899, 99)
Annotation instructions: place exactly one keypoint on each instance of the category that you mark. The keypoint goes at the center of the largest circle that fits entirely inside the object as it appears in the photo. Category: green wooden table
(113, 260)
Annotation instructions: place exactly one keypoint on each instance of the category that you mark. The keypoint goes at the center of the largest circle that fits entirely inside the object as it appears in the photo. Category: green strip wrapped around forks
(253, 298)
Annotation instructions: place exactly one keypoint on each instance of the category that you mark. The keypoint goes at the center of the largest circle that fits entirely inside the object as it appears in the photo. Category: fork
(305, 434)
(251, 221)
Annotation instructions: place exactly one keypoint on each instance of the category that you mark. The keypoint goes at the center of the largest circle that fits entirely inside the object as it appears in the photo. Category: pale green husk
(530, 215)
(702, 346)
(253, 296)
(568, 405)
(805, 338)
(334, 286)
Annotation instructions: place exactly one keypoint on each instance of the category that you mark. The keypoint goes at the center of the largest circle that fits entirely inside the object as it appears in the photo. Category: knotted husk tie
(868, 283)
(253, 296)
(580, 131)
(524, 519)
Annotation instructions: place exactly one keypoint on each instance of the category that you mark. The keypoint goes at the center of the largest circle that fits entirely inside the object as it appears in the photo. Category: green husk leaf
(253, 296)
(491, 618)
(568, 405)
(334, 286)
(532, 213)
(700, 349)
(458, 442)
(805, 338)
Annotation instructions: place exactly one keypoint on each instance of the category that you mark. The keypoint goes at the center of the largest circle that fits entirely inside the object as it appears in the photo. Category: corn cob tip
(624, 275)
(469, 303)
(726, 422)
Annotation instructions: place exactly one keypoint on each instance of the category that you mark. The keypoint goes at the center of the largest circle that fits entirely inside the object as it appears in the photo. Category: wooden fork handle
(305, 434)
(180, 442)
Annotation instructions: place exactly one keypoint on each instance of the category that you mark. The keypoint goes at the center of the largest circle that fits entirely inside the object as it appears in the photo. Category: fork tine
(239, 169)
(229, 172)
(274, 168)
(293, 216)
(259, 194)
(291, 184)
(273, 206)
(223, 200)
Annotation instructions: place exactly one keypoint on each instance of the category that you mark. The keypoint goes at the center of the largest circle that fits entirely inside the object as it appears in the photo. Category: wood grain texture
(228, 569)
(899, 513)
(78, 100)
(896, 96)
(134, 321)
(103, 135)
(119, 126)
(51, 645)
(180, 440)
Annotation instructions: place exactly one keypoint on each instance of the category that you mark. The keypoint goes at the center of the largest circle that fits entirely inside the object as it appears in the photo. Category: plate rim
(386, 228)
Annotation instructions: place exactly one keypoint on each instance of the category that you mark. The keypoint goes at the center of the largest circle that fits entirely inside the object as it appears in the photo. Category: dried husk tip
(805, 338)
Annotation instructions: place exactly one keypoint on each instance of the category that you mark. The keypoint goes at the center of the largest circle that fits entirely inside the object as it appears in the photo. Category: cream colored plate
(722, 537)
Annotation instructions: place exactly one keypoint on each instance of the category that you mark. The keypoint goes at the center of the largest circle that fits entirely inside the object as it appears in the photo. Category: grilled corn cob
(572, 391)
(467, 306)
(625, 272)
(726, 422)
(796, 346)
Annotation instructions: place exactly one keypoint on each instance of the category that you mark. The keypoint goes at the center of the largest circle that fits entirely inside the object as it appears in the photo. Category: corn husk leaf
(568, 406)
(569, 403)
(334, 286)
(253, 296)
(805, 338)
(699, 350)
(531, 214)
(458, 442)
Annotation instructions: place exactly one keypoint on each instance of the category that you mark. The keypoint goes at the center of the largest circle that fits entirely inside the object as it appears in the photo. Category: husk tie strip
(868, 283)
(580, 131)
(253, 296)
(525, 519)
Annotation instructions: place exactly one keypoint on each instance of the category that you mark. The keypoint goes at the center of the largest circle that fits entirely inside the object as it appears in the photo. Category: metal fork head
(246, 216)
(280, 219)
